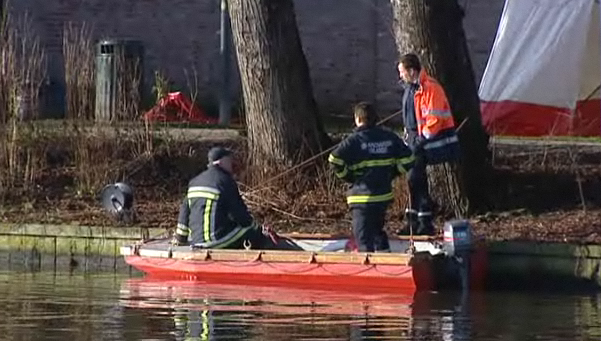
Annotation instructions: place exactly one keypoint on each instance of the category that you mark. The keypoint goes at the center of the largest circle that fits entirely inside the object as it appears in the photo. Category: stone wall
(348, 43)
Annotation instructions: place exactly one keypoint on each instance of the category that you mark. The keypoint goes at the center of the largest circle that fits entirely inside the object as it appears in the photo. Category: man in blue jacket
(370, 158)
(430, 133)
(213, 214)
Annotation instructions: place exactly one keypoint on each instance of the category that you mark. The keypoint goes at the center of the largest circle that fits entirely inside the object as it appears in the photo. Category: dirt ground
(542, 192)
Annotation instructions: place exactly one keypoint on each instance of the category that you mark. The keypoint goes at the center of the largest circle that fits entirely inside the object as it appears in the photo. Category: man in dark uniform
(419, 197)
(370, 158)
(213, 214)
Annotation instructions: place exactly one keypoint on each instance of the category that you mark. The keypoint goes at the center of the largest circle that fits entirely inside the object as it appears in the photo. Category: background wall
(348, 43)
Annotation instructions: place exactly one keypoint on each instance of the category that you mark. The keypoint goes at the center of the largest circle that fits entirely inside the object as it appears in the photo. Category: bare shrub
(78, 55)
(22, 69)
(160, 87)
(22, 73)
(129, 81)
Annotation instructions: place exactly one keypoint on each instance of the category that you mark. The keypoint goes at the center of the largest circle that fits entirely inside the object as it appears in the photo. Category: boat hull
(379, 276)
(396, 271)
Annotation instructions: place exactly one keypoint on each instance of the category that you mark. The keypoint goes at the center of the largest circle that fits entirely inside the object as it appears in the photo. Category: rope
(354, 273)
(395, 274)
(579, 106)
(314, 157)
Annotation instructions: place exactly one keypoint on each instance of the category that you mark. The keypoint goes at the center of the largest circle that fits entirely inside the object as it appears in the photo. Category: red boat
(415, 263)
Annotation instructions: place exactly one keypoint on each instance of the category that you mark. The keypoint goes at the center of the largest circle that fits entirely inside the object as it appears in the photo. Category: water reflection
(208, 311)
(108, 306)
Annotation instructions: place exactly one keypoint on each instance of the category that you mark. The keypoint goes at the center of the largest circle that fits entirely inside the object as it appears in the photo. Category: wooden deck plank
(311, 236)
(278, 256)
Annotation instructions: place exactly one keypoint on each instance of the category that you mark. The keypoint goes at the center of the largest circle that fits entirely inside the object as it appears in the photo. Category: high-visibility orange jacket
(432, 109)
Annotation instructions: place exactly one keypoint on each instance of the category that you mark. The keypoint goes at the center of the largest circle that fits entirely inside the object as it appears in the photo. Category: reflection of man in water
(205, 325)
(193, 325)
(441, 316)
(366, 332)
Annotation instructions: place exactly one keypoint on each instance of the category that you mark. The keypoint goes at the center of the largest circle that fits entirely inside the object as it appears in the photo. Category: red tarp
(176, 107)
(528, 119)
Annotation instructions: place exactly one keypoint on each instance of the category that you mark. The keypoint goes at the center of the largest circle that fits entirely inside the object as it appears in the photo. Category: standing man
(213, 214)
(370, 158)
(430, 133)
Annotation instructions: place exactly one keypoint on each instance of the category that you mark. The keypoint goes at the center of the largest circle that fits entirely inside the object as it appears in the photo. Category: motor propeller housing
(118, 200)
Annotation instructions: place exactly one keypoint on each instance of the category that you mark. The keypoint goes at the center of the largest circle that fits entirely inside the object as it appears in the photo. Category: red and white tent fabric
(544, 71)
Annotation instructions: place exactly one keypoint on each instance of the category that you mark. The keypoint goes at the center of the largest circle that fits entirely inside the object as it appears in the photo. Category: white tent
(544, 71)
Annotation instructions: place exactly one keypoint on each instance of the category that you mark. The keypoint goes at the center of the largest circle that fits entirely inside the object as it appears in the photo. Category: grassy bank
(53, 173)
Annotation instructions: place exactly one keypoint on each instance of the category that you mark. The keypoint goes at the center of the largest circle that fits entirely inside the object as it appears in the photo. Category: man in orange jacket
(429, 132)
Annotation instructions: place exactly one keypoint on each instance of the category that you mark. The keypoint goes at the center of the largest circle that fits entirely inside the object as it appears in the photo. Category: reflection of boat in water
(414, 264)
(204, 310)
(157, 293)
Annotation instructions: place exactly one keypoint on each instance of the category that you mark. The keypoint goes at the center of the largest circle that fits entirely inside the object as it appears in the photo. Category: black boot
(425, 225)
(410, 222)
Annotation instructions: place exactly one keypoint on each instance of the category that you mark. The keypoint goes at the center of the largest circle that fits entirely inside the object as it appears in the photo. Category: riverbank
(543, 191)
(95, 248)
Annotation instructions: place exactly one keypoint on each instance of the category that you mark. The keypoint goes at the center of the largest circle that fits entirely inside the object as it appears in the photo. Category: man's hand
(419, 143)
(268, 232)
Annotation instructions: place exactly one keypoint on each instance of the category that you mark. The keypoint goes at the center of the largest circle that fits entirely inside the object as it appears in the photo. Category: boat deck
(322, 261)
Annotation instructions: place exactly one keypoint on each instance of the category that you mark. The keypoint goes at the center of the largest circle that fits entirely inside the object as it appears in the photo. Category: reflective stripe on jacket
(213, 212)
(370, 158)
(444, 147)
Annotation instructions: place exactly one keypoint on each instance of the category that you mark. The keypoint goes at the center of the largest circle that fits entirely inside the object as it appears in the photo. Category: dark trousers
(419, 190)
(419, 193)
(368, 227)
(253, 237)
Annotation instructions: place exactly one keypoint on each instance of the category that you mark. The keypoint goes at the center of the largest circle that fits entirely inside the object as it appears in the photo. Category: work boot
(410, 221)
(425, 225)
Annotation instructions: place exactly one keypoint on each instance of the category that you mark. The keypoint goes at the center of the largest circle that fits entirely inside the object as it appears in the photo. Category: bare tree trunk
(433, 29)
(281, 114)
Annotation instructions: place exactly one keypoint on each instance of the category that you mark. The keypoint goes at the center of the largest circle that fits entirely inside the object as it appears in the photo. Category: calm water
(108, 306)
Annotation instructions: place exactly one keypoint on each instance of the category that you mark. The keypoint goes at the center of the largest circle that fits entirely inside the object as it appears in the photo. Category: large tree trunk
(281, 114)
(433, 30)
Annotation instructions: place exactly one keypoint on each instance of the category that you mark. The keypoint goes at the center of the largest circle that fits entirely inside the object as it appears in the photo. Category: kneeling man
(213, 214)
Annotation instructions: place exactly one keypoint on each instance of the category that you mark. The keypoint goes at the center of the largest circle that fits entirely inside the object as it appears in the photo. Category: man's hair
(365, 112)
(411, 61)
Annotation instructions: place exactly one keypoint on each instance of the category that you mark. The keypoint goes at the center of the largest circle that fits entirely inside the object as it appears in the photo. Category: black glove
(418, 144)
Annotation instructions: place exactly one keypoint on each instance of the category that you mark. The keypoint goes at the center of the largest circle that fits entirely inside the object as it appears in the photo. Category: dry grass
(129, 81)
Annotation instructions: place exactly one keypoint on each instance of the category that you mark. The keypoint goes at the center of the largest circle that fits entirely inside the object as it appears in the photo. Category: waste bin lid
(110, 46)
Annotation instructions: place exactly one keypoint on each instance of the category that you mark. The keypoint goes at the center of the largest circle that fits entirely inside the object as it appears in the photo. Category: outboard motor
(457, 245)
(118, 200)
(457, 237)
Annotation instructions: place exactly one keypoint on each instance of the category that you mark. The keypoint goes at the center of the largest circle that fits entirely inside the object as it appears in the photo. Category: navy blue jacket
(370, 158)
(408, 110)
(213, 210)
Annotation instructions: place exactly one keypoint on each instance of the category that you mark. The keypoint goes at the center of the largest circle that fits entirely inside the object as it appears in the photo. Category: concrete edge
(79, 231)
(511, 261)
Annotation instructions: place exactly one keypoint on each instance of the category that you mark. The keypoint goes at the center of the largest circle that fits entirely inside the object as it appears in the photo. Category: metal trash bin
(119, 79)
